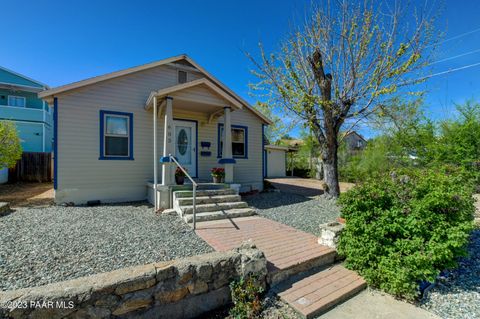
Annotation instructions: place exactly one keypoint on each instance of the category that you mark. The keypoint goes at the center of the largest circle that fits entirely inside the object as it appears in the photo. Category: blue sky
(57, 43)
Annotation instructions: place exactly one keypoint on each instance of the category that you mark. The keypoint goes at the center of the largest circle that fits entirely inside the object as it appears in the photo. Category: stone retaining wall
(181, 288)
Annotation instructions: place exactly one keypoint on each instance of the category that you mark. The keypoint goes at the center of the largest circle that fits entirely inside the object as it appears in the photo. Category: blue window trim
(102, 137)
(55, 143)
(196, 143)
(220, 125)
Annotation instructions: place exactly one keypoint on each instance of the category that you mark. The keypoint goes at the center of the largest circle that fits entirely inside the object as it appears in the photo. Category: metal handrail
(194, 189)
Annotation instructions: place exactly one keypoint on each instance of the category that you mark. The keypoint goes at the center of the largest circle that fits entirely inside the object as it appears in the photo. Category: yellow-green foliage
(10, 148)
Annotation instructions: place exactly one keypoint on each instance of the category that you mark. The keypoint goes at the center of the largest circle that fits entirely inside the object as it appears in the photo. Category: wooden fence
(32, 167)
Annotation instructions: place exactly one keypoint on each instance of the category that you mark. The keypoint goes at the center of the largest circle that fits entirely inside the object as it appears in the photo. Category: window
(116, 135)
(182, 77)
(18, 101)
(239, 141)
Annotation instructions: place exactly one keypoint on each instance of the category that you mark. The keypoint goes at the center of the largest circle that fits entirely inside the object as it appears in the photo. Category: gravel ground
(457, 292)
(295, 210)
(45, 245)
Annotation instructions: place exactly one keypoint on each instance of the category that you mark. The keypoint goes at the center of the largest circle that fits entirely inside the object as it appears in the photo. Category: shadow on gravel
(303, 190)
(274, 199)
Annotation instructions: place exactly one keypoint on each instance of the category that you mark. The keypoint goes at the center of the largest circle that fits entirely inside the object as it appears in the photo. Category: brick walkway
(315, 294)
(285, 247)
(293, 258)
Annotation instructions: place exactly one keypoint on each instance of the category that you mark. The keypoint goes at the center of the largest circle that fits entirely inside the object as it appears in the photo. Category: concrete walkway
(374, 305)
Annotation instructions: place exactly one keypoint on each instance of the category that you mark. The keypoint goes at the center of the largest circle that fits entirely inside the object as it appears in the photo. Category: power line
(461, 35)
(449, 71)
(456, 56)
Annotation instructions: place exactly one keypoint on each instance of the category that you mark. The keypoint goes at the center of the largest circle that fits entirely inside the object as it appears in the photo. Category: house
(276, 160)
(354, 141)
(114, 133)
(19, 103)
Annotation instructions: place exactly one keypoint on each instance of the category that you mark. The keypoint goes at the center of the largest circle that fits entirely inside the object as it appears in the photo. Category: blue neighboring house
(19, 103)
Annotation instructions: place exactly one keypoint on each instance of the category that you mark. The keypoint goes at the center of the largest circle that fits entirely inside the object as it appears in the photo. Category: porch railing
(194, 184)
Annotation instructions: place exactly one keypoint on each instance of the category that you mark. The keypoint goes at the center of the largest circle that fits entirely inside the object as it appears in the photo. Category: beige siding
(82, 176)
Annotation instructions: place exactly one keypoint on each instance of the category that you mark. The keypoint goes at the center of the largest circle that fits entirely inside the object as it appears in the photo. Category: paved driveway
(308, 187)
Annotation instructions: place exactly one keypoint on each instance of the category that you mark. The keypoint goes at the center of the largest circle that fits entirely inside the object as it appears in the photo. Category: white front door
(186, 145)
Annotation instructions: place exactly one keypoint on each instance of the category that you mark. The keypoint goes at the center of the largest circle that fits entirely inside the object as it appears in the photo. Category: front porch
(192, 122)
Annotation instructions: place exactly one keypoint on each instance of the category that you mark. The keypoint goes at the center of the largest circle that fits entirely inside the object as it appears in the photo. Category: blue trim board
(220, 125)
(102, 125)
(264, 163)
(55, 143)
(165, 159)
(196, 142)
(226, 161)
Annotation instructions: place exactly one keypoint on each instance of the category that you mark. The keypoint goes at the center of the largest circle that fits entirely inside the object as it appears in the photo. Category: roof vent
(182, 76)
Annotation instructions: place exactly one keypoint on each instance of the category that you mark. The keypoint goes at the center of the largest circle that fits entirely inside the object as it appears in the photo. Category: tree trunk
(330, 170)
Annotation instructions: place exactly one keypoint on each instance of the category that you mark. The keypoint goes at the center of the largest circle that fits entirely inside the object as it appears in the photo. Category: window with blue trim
(116, 135)
(239, 141)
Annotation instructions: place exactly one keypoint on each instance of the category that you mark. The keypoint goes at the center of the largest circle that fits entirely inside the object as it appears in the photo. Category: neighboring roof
(354, 133)
(292, 142)
(147, 66)
(280, 148)
(9, 77)
(187, 85)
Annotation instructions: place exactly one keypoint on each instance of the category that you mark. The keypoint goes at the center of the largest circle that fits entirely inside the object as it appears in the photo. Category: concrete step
(223, 214)
(313, 294)
(212, 207)
(204, 192)
(208, 199)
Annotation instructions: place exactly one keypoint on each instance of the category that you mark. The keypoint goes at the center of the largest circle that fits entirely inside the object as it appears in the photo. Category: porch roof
(202, 91)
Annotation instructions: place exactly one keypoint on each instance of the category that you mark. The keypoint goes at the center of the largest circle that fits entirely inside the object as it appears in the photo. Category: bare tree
(345, 63)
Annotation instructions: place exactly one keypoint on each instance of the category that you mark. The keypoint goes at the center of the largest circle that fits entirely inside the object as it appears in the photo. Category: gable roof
(9, 77)
(182, 57)
(179, 87)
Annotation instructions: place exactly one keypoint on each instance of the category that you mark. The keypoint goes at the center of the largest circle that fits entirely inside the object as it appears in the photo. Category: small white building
(276, 160)
(113, 133)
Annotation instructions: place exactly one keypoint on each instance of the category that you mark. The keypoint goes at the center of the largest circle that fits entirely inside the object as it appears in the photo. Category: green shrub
(406, 227)
(246, 298)
(10, 148)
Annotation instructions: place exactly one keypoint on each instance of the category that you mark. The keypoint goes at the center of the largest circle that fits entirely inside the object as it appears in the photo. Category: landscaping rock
(456, 293)
(135, 292)
(294, 210)
(4, 208)
(330, 234)
(50, 244)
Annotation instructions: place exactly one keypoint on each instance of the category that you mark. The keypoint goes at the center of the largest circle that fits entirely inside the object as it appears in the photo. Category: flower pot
(180, 180)
(217, 179)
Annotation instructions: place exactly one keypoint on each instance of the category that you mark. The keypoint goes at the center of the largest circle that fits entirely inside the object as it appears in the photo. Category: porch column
(167, 172)
(227, 158)
(155, 154)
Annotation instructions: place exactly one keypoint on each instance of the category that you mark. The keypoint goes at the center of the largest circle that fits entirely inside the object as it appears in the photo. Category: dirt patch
(304, 186)
(27, 194)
